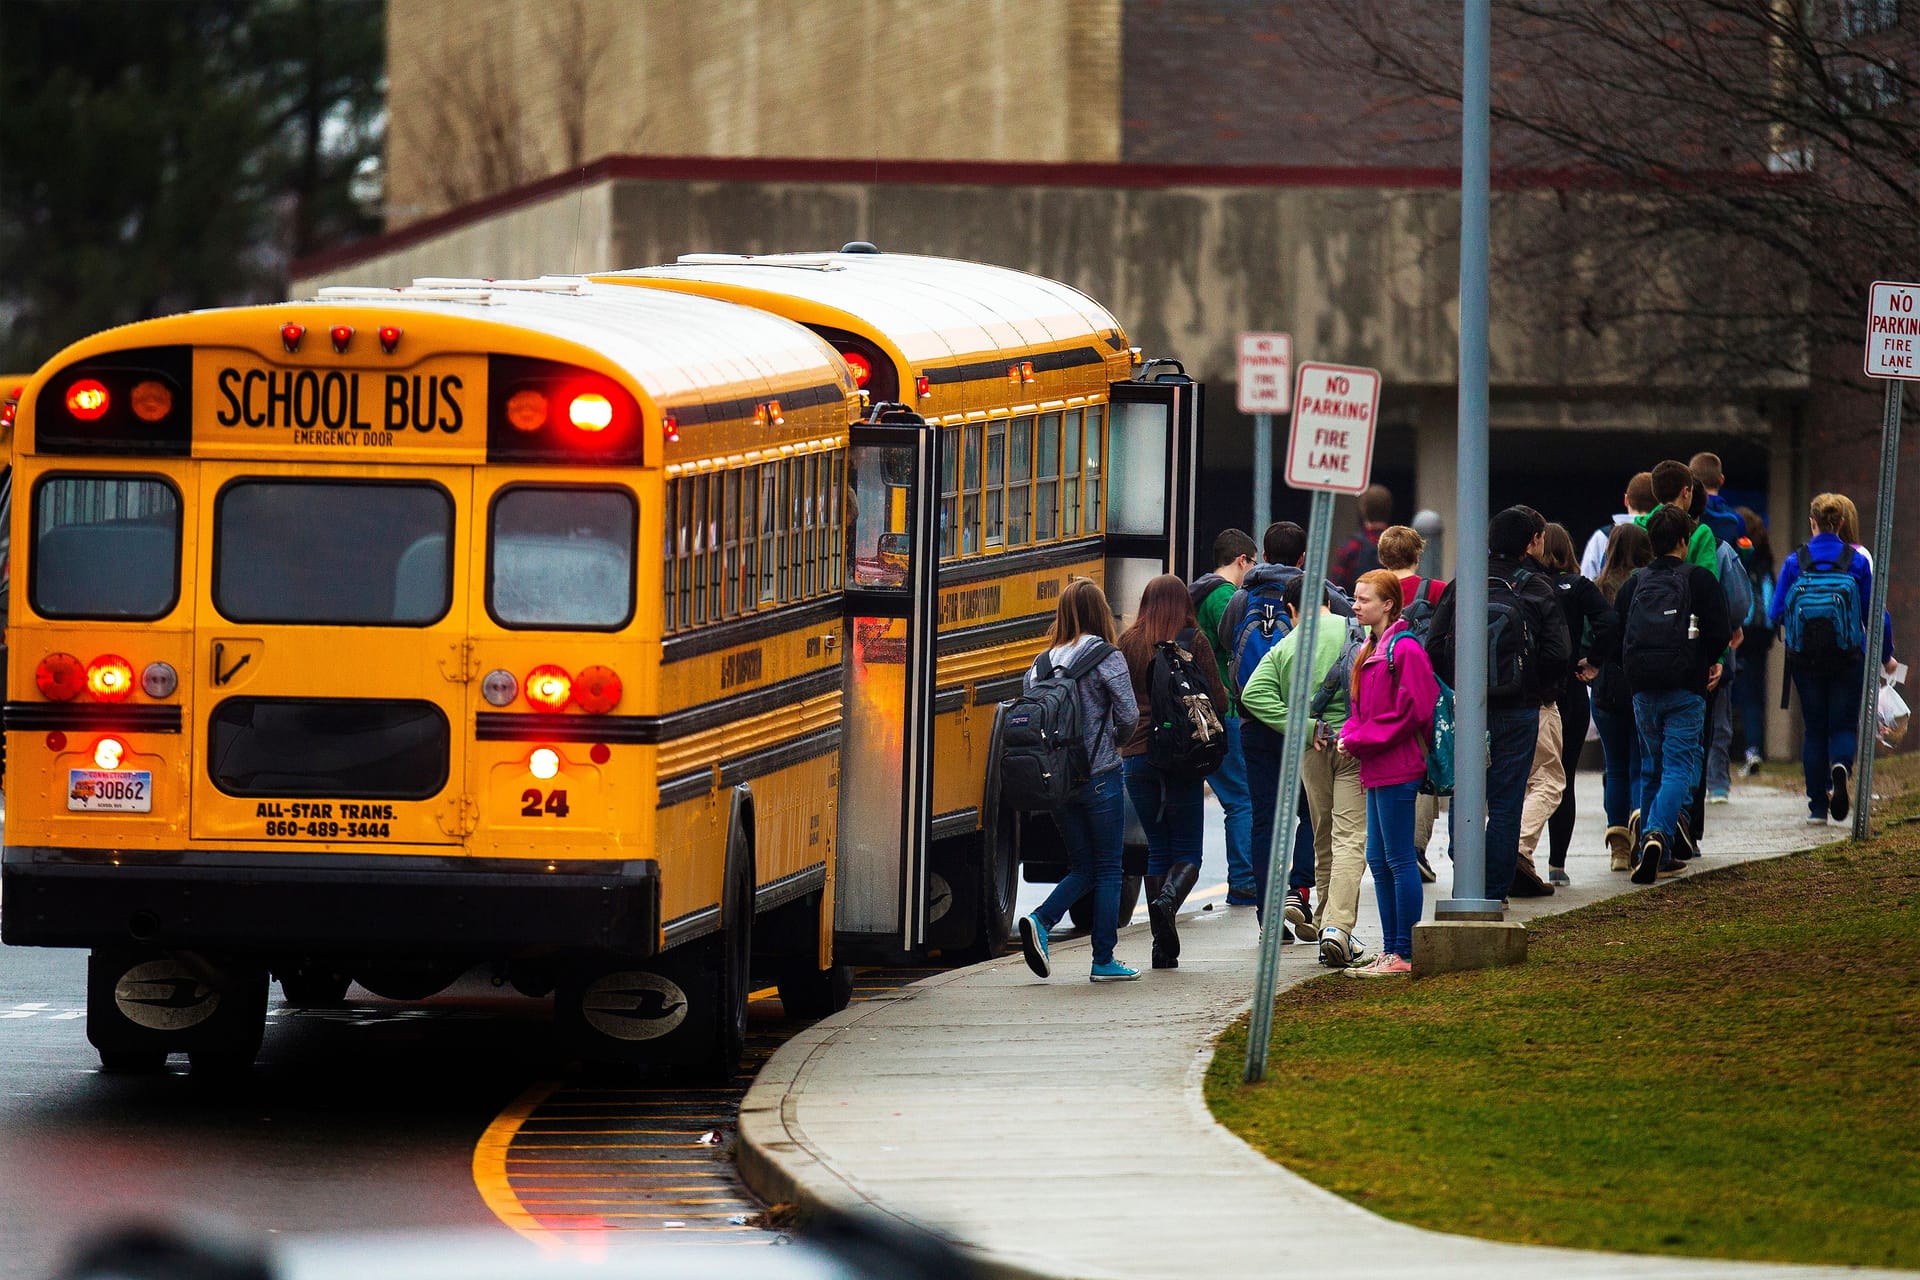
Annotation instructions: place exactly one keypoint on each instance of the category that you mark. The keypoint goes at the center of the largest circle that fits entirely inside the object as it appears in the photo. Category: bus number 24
(535, 804)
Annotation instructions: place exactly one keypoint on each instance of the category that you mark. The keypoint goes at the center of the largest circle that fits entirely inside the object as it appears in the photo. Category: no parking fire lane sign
(1331, 445)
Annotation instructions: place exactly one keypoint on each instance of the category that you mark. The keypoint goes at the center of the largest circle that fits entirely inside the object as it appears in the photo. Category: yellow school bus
(615, 637)
(1025, 392)
(343, 651)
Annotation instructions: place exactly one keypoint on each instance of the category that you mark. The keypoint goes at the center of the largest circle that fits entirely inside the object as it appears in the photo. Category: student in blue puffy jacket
(1829, 690)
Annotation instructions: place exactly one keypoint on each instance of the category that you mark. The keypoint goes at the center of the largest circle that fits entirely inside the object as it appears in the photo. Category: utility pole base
(1449, 946)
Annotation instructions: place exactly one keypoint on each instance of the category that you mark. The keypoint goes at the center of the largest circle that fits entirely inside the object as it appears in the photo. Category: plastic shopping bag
(1894, 715)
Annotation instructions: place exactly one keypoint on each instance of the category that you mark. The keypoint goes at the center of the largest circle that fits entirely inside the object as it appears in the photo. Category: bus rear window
(365, 553)
(104, 546)
(561, 558)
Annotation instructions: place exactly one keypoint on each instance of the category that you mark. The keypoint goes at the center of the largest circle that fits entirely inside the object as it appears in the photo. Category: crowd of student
(1657, 633)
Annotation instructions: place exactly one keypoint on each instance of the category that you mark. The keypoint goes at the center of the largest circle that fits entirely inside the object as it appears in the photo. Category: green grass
(1725, 1066)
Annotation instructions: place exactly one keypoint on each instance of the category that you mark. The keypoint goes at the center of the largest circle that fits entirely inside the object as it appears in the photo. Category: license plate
(109, 791)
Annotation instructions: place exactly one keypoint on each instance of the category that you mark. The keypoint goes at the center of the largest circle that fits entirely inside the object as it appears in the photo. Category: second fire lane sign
(1331, 445)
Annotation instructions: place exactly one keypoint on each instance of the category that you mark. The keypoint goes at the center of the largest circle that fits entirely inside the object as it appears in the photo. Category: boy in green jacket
(1336, 802)
(1673, 486)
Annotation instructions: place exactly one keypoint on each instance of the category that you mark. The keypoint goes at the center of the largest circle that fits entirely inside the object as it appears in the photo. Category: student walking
(1389, 729)
(1822, 599)
(1093, 821)
(1167, 798)
(1528, 653)
(1589, 618)
(1234, 553)
(1639, 501)
(1673, 629)
(1628, 550)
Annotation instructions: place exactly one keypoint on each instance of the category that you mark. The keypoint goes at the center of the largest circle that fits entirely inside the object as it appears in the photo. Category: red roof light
(87, 400)
(389, 337)
(341, 334)
(290, 335)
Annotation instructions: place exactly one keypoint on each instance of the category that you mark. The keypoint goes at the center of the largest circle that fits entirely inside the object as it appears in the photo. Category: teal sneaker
(1112, 971)
(1033, 945)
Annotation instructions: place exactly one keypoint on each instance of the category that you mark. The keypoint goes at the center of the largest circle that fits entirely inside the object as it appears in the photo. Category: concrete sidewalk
(1058, 1128)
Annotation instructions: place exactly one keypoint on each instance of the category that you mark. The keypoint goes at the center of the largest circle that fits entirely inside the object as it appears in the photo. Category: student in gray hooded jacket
(1093, 822)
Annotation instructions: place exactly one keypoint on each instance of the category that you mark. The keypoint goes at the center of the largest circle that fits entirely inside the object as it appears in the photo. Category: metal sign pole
(1882, 568)
(1471, 900)
(1262, 474)
(1287, 803)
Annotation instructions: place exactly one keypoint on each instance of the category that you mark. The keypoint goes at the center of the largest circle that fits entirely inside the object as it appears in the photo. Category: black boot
(1165, 906)
(1162, 928)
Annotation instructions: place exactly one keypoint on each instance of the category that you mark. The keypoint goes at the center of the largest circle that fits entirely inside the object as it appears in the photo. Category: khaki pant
(1546, 783)
(1426, 812)
(1337, 807)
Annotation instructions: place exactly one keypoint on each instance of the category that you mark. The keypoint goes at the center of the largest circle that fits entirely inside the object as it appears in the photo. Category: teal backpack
(1439, 779)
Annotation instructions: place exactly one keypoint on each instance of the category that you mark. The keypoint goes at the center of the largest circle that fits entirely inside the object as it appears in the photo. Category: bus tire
(733, 953)
(143, 1005)
(807, 992)
(995, 887)
(1081, 912)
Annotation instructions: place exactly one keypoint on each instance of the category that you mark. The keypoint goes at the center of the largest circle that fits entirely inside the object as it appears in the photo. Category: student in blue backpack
(1163, 783)
(1093, 822)
(1821, 600)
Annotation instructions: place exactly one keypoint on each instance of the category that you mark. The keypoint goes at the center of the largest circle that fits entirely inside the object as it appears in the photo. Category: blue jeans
(1396, 871)
(1720, 737)
(1261, 748)
(1830, 708)
(1672, 725)
(1511, 735)
(1620, 747)
(1093, 824)
(1172, 813)
(1229, 783)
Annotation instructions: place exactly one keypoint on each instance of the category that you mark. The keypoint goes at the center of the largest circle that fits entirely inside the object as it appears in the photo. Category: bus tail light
(110, 678)
(151, 400)
(596, 690)
(341, 334)
(550, 687)
(527, 410)
(60, 677)
(500, 687)
(159, 680)
(590, 411)
(862, 367)
(108, 752)
(670, 425)
(290, 335)
(389, 337)
(87, 400)
(544, 763)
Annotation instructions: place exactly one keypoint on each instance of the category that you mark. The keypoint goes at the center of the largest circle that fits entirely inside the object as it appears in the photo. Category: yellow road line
(490, 1165)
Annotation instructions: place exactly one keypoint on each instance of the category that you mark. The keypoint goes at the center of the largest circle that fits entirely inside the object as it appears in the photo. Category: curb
(778, 1166)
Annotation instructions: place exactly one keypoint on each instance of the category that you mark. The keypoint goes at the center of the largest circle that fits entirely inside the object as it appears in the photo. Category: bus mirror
(895, 548)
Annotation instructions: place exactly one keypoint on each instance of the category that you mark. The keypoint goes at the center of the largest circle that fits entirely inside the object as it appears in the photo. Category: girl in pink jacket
(1388, 729)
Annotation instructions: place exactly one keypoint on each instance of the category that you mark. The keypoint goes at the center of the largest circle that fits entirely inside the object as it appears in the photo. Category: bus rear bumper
(372, 903)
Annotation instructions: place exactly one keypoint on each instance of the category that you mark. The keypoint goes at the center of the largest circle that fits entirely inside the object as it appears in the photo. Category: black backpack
(1043, 751)
(1418, 612)
(1184, 735)
(1512, 647)
(1654, 647)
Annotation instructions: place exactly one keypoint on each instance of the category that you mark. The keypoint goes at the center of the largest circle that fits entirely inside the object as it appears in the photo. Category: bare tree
(1744, 168)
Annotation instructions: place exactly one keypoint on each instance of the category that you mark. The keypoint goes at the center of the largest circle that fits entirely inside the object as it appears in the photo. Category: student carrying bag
(1043, 750)
(1185, 737)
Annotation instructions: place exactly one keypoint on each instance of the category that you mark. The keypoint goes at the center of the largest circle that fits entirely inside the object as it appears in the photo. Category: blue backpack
(1824, 631)
(1264, 625)
(1439, 779)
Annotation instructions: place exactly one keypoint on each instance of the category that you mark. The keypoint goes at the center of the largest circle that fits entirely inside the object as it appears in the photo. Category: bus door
(1153, 446)
(332, 655)
(886, 769)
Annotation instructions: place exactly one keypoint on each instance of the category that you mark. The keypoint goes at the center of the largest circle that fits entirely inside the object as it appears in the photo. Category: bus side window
(1046, 498)
(1070, 481)
(1020, 482)
(1096, 419)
